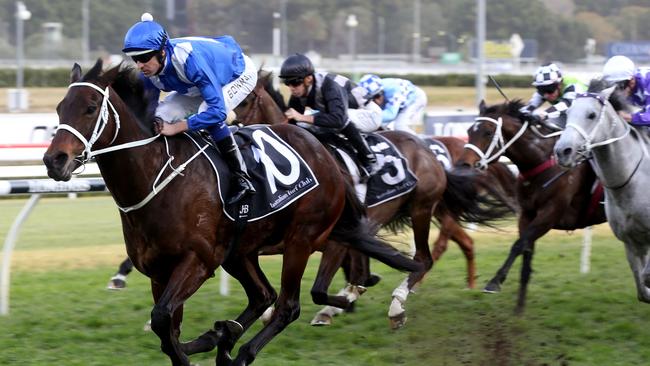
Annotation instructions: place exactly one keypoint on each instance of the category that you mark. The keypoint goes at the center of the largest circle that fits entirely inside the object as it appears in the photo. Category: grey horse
(619, 154)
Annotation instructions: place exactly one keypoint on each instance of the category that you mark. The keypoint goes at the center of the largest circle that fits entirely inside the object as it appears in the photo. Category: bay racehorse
(620, 158)
(549, 197)
(450, 195)
(176, 231)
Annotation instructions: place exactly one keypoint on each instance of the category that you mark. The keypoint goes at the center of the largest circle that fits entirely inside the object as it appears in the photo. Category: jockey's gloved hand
(533, 118)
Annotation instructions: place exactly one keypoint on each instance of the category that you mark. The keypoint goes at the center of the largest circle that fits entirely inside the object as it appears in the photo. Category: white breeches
(413, 114)
(366, 119)
(176, 107)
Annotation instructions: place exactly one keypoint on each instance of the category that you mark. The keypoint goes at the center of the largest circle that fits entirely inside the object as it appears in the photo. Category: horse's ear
(605, 94)
(481, 106)
(75, 73)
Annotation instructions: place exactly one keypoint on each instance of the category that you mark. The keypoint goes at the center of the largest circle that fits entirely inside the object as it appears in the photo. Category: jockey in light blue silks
(635, 83)
(402, 103)
(207, 77)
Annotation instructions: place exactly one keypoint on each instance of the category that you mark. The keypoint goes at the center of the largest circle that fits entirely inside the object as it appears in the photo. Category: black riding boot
(241, 182)
(364, 154)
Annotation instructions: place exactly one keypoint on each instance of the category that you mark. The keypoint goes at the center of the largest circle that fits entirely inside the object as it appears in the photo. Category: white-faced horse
(620, 159)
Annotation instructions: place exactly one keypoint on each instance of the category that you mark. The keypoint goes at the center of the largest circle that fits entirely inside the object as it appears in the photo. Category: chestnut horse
(549, 196)
(450, 195)
(178, 234)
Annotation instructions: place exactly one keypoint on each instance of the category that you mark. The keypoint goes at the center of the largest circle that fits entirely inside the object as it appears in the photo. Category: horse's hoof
(492, 288)
(397, 321)
(147, 326)
(116, 284)
(372, 280)
(321, 320)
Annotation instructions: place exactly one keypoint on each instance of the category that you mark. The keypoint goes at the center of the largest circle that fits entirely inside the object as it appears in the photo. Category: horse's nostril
(566, 152)
(56, 160)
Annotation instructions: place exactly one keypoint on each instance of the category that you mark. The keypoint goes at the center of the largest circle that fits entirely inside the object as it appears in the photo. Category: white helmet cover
(618, 68)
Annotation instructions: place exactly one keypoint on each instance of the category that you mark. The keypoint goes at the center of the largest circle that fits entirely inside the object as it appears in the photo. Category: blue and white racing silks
(202, 66)
(398, 94)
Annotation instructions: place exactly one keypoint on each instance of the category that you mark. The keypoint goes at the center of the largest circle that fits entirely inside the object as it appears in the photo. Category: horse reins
(102, 121)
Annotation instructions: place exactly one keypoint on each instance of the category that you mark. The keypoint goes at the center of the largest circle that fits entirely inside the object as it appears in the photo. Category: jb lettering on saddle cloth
(280, 176)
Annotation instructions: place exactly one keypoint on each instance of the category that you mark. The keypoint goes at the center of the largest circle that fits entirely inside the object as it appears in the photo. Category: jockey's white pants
(412, 114)
(176, 107)
(366, 119)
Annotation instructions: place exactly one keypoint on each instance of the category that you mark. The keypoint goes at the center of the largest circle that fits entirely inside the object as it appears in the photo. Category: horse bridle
(588, 137)
(102, 121)
(497, 141)
(100, 125)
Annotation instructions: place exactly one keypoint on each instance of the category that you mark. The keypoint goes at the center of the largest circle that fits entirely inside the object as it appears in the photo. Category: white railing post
(585, 256)
(7, 250)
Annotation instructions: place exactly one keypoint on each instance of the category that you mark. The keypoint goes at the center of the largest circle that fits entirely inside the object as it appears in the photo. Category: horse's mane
(511, 108)
(129, 86)
(617, 99)
(266, 78)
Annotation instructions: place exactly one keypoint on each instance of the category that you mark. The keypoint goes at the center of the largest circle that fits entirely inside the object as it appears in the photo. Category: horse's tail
(356, 230)
(471, 197)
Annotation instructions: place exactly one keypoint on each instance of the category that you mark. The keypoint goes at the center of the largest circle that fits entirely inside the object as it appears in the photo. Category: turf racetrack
(61, 313)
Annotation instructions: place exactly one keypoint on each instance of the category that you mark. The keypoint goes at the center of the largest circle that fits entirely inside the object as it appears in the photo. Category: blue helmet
(144, 36)
(372, 85)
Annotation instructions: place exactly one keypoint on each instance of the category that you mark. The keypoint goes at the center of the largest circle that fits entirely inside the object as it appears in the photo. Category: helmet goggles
(144, 58)
(546, 89)
(293, 81)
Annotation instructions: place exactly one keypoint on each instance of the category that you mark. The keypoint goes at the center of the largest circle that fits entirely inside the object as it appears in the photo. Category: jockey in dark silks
(329, 97)
(207, 77)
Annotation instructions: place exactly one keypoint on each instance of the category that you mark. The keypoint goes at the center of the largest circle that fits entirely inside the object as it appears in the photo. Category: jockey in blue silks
(207, 78)
(402, 103)
(635, 83)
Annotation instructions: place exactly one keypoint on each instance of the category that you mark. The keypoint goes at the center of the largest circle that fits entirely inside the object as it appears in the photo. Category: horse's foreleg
(260, 294)
(639, 261)
(287, 307)
(526, 270)
(494, 285)
(166, 315)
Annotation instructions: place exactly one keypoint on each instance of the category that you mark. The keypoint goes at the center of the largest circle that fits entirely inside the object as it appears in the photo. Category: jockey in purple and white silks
(207, 77)
(402, 103)
(558, 90)
(635, 83)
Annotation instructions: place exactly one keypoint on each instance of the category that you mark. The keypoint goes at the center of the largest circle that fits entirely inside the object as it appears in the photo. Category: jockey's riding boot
(364, 154)
(241, 182)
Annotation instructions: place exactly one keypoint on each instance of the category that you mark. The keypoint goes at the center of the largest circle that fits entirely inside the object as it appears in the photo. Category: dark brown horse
(549, 196)
(451, 196)
(181, 236)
